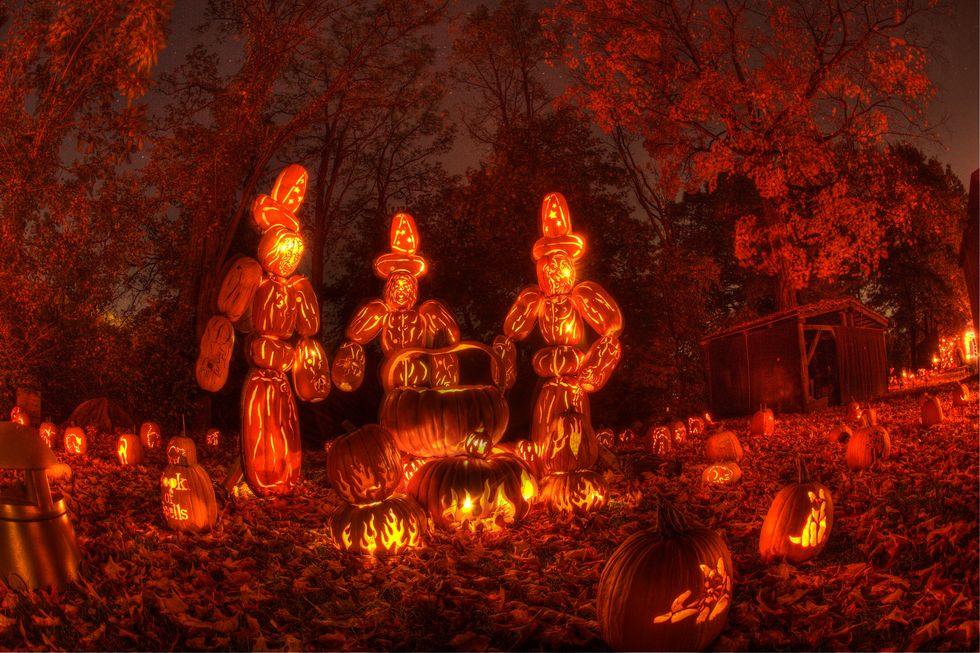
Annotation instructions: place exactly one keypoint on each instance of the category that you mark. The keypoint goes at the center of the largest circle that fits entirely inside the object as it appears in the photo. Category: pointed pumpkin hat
(556, 230)
(404, 244)
(280, 207)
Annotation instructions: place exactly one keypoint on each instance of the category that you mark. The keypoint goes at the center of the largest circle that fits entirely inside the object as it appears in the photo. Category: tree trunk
(785, 292)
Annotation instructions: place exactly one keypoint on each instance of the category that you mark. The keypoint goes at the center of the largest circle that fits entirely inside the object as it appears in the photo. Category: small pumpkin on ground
(581, 491)
(798, 523)
(932, 411)
(722, 446)
(762, 422)
(386, 527)
(724, 473)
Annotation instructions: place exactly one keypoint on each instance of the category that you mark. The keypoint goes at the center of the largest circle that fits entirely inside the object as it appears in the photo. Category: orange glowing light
(709, 605)
(48, 432)
(815, 529)
(19, 416)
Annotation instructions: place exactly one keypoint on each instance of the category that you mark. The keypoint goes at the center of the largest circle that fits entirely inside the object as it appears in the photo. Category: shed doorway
(822, 370)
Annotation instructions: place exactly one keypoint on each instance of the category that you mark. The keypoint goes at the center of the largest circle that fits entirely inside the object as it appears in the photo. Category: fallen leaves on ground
(900, 570)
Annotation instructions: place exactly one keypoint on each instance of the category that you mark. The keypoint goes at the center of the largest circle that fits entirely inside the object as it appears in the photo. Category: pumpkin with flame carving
(365, 465)
(459, 489)
(385, 527)
(798, 523)
(667, 589)
(581, 491)
(271, 454)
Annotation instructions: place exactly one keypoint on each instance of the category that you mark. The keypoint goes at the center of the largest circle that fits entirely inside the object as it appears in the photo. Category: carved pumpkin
(460, 489)
(695, 426)
(238, 287)
(678, 430)
(48, 432)
(76, 442)
(387, 527)
(932, 411)
(347, 371)
(311, 370)
(272, 312)
(839, 434)
(581, 491)
(762, 422)
(853, 412)
(570, 444)
(606, 438)
(212, 439)
(269, 213)
(217, 345)
(799, 521)
(187, 494)
(280, 251)
(150, 435)
(661, 439)
(722, 446)
(269, 353)
(19, 416)
(527, 451)
(430, 422)
(365, 465)
(666, 590)
(410, 465)
(725, 473)
(129, 449)
(627, 438)
(961, 397)
(307, 307)
(271, 453)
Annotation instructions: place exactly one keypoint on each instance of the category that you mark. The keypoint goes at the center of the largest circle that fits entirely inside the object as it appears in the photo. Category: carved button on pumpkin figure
(187, 494)
(667, 589)
(799, 520)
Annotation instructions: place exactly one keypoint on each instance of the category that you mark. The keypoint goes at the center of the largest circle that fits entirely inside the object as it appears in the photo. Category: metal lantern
(37, 542)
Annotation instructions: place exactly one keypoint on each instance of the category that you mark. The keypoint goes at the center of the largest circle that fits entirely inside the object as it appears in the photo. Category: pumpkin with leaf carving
(666, 589)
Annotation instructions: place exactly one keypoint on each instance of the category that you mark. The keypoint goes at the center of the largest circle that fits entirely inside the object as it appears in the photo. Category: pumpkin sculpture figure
(561, 423)
(281, 313)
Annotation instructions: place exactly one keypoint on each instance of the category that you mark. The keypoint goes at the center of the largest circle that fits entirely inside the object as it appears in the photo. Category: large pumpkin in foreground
(271, 454)
(799, 520)
(667, 589)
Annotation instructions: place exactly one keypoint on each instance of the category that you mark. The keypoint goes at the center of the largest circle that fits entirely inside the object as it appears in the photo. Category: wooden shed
(801, 359)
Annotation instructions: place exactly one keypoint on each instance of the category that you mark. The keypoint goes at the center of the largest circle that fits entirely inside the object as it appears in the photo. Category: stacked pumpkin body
(187, 494)
(568, 450)
(280, 312)
(365, 469)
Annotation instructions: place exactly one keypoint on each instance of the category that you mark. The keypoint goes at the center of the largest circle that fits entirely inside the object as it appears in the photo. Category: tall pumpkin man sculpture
(280, 312)
(561, 424)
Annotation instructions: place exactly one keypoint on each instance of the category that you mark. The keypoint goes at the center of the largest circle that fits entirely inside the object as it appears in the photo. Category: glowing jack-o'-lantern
(129, 449)
(661, 439)
(723, 446)
(725, 473)
(570, 444)
(311, 370)
(187, 494)
(212, 439)
(799, 520)
(962, 397)
(932, 411)
(19, 416)
(667, 589)
(762, 422)
(627, 438)
(243, 276)
(49, 433)
(581, 491)
(76, 442)
(606, 437)
(385, 527)
(695, 426)
(271, 454)
(280, 251)
(364, 466)
(150, 435)
(853, 412)
(458, 490)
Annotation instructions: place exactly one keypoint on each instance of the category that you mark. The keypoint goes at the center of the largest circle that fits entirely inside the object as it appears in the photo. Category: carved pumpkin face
(390, 526)
(129, 449)
(187, 497)
(436, 421)
(364, 466)
(280, 251)
(606, 438)
(660, 439)
(150, 435)
(666, 590)
(763, 422)
(556, 274)
(798, 523)
(581, 492)
(311, 370)
(48, 432)
(19, 416)
(457, 490)
(271, 454)
(723, 446)
(401, 291)
(727, 473)
(76, 442)
(627, 438)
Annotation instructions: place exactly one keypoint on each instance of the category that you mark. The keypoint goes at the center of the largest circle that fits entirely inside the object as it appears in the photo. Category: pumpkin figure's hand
(347, 371)
(600, 362)
(504, 362)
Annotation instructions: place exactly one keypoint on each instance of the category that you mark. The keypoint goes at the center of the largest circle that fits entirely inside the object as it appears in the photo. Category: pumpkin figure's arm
(518, 324)
(600, 361)
(347, 371)
(441, 330)
(598, 308)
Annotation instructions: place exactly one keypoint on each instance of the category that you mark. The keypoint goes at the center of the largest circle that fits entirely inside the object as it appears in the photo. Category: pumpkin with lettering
(667, 589)
(187, 494)
(799, 521)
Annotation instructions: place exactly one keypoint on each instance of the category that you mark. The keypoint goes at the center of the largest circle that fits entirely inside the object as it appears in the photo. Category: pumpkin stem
(672, 522)
(802, 471)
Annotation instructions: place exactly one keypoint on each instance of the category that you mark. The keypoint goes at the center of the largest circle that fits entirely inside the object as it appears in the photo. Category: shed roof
(806, 312)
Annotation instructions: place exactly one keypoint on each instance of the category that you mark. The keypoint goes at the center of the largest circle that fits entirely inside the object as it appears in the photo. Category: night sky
(954, 68)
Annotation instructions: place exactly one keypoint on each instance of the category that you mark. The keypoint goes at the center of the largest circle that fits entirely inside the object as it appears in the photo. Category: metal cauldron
(37, 542)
